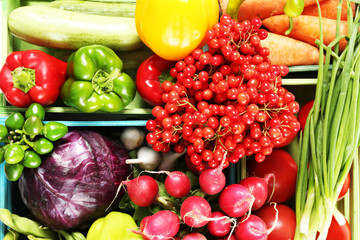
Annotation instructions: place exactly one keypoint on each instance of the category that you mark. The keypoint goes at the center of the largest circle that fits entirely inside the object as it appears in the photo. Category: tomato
(283, 166)
(287, 139)
(286, 224)
(337, 232)
(345, 187)
(304, 112)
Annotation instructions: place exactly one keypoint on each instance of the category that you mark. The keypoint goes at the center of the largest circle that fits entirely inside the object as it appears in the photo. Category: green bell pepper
(96, 81)
(114, 226)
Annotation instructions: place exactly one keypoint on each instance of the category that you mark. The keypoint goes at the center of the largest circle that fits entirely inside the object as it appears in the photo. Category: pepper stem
(23, 78)
(103, 82)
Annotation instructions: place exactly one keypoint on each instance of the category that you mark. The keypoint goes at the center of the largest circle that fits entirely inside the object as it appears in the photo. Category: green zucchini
(57, 28)
(99, 8)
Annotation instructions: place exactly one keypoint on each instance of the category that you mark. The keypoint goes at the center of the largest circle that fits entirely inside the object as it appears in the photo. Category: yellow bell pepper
(114, 226)
(174, 28)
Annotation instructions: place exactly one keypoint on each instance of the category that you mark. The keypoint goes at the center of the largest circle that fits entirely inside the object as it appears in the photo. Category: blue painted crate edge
(5, 197)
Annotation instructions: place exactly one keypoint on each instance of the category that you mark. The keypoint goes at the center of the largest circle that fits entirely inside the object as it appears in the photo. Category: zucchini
(99, 8)
(57, 28)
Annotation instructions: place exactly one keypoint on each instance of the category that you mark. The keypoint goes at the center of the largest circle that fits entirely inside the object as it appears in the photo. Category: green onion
(330, 141)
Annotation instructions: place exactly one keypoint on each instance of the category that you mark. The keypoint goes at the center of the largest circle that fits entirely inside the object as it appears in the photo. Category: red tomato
(337, 232)
(287, 140)
(345, 187)
(283, 166)
(286, 224)
(304, 112)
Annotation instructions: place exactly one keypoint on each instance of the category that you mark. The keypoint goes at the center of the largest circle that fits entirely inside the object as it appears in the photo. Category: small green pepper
(35, 109)
(13, 171)
(15, 121)
(31, 159)
(233, 8)
(33, 126)
(14, 153)
(43, 146)
(54, 130)
(4, 133)
(293, 8)
(2, 153)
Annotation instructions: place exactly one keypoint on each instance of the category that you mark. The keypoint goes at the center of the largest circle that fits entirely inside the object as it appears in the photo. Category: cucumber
(99, 8)
(51, 27)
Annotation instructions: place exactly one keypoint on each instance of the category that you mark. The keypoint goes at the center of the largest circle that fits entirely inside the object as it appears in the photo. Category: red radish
(142, 190)
(194, 236)
(251, 228)
(220, 225)
(258, 187)
(235, 200)
(177, 184)
(162, 225)
(195, 211)
(212, 180)
(227, 237)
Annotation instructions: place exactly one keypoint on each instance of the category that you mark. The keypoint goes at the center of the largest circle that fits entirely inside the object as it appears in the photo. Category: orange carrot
(306, 28)
(290, 52)
(329, 9)
(264, 8)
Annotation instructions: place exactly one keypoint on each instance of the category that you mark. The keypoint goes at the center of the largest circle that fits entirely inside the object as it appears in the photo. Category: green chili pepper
(13, 171)
(31, 159)
(26, 226)
(15, 121)
(35, 109)
(4, 132)
(14, 153)
(293, 8)
(43, 146)
(33, 126)
(233, 8)
(54, 130)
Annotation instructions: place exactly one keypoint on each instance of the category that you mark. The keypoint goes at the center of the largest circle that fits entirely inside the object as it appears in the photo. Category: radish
(251, 228)
(258, 187)
(227, 237)
(220, 225)
(212, 180)
(162, 225)
(194, 236)
(177, 184)
(195, 211)
(142, 190)
(235, 200)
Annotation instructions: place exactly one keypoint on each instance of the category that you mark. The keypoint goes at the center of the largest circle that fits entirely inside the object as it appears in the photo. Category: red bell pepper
(151, 73)
(32, 76)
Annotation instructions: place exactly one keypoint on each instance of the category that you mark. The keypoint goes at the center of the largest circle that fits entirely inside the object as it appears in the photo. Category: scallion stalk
(330, 141)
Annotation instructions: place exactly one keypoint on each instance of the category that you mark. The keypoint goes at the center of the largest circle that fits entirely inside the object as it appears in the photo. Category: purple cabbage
(77, 181)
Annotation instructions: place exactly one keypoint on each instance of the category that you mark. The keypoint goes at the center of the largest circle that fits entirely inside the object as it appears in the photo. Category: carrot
(329, 9)
(290, 52)
(306, 28)
(264, 8)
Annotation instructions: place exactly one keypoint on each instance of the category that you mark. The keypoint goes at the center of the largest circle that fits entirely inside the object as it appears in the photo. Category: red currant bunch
(228, 101)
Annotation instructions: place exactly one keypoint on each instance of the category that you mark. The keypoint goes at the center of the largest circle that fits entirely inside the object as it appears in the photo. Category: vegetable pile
(227, 102)
(213, 159)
